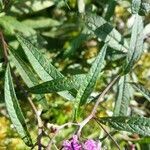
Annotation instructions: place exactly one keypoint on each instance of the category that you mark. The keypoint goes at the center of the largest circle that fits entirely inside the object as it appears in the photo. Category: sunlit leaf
(136, 4)
(123, 97)
(145, 8)
(41, 23)
(61, 84)
(136, 44)
(14, 109)
(26, 74)
(90, 79)
(41, 65)
(30, 6)
(11, 25)
(106, 32)
(145, 92)
(139, 125)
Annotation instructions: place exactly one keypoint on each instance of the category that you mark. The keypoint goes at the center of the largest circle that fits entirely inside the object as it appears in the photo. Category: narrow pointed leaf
(136, 4)
(139, 125)
(90, 80)
(14, 109)
(123, 97)
(29, 7)
(41, 65)
(11, 25)
(136, 44)
(145, 8)
(106, 32)
(61, 84)
(145, 92)
(27, 75)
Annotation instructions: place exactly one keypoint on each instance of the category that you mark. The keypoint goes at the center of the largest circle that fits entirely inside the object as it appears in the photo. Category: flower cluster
(74, 144)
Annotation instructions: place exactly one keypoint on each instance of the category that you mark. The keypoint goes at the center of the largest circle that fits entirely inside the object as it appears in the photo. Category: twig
(40, 124)
(57, 131)
(112, 133)
(4, 46)
(108, 135)
(39, 120)
(85, 121)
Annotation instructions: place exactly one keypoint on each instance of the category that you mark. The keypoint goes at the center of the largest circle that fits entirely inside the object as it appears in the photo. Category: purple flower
(73, 144)
(92, 145)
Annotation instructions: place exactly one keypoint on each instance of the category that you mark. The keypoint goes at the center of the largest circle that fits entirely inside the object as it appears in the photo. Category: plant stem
(109, 135)
(58, 130)
(4, 46)
(86, 120)
(40, 124)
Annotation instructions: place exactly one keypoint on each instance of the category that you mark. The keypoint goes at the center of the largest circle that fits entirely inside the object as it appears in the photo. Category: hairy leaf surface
(123, 97)
(27, 74)
(61, 84)
(90, 80)
(136, 4)
(106, 32)
(41, 65)
(139, 125)
(14, 109)
(145, 92)
(136, 43)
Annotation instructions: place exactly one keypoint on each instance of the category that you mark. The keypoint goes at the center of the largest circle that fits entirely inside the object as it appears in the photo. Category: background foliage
(76, 48)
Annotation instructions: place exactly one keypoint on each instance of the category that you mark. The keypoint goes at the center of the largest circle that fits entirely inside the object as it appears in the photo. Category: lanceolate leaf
(27, 74)
(90, 80)
(14, 109)
(123, 97)
(11, 25)
(145, 92)
(41, 65)
(61, 84)
(136, 4)
(136, 43)
(106, 33)
(139, 125)
(30, 6)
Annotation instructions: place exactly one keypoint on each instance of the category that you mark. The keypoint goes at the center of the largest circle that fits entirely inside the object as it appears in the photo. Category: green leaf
(143, 140)
(136, 4)
(90, 79)
(139, 125)
(145, 9)
(41, 65)
(11, 25)
(41, 23)
(110, 9)
(60, 84)
(123, 97)
(14, 109)
(28, 6)
(145, 92)
(106, 32)
(27, 74)
(136, 44)
(75, 44)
